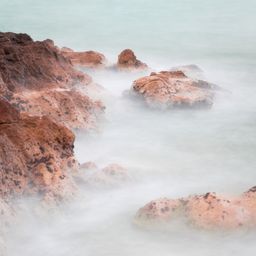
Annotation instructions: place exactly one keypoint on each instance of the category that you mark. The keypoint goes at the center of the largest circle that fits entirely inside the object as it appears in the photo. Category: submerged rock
(209, 211)
(168, 89)
(88, 59)
(128, 61)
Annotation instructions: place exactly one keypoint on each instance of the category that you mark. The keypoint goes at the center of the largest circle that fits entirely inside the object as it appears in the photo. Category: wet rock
(34, 65)
(67, 107)
(36, 155)
(169, 89)
(209, 211)
(88, 59)
(37, 79)
(7, 114)
(160, 210)
(128, 61)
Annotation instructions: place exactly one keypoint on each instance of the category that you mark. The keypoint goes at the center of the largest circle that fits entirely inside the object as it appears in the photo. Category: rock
(36, 156)
(37, 79)
(109, 176)
(67, 107)
(30, 65)
(128, 60)
(168, 89)
(7, 114)
(88, 59)
(160, 210)
(209, 211)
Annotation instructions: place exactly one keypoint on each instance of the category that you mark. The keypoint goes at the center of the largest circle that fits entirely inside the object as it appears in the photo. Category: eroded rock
(67, 107)
(88, 59)
(128, 61)
(37, 79)
(34, 65)
(209, 211)
(36, 155)
(168, 89)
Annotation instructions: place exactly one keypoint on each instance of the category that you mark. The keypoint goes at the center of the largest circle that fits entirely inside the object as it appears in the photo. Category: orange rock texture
(173, 89)
(128, 61)
(88, 59)
(209, 211)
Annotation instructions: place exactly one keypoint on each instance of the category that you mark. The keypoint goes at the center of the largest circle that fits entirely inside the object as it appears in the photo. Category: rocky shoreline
(42, 103)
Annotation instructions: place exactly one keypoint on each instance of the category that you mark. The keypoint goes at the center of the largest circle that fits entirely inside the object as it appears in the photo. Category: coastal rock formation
(109, 176)
(88, 59)
(37, 79)
(67, 107)
(34, 65)
(35, 155)
(128, 61)
(209, 211)
(174, 89)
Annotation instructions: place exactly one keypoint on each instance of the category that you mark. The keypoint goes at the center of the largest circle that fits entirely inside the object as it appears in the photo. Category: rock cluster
(209, 211)
(174, 89)
(39, 102)
(37, 79)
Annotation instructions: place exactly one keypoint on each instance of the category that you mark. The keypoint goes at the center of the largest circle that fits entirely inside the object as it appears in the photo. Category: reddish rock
(89, 59)
(34, 65)
(128, 60)
(35, 156)
(37, 79)
(173, 89)
(160, 210)
(7, 114)
(209, 211)
(68, 107)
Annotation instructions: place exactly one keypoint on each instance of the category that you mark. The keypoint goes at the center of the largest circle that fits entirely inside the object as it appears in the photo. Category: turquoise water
(179, 29)
(173, 153)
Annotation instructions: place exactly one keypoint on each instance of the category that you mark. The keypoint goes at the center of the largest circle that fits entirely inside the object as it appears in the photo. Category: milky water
(168, 153)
